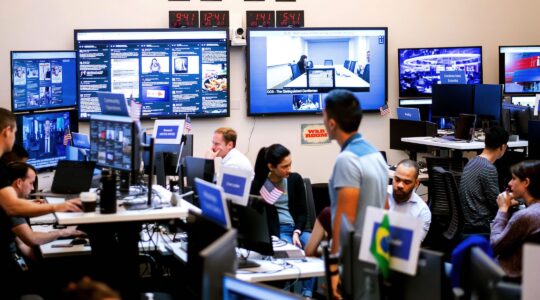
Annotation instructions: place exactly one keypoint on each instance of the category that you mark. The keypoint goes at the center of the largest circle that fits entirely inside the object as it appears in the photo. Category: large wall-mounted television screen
(170, 72)
(290, 70)
(422, 68)
(43, 80)
(519, 69)
(42, 134)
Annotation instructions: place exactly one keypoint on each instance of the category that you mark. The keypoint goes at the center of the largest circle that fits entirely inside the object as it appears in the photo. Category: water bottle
(107, 203)
(442, 124)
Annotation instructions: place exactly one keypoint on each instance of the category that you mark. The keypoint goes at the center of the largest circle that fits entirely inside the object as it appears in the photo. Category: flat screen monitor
(483, 275)
(488, 101)
(234, 289)
(113, 142)
(43, 80)
(450, 100)
(218, 259)
(212, 202)
(534, 140)
(290, 70)
(422, 68)
(170, 72)
(519, 69)
(43, 136)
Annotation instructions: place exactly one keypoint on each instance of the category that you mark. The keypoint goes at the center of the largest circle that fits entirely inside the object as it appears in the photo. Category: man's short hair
(229, 135)
(344, 108)
(409, 163)
(496, 136)
(18, 170)
(7, 119)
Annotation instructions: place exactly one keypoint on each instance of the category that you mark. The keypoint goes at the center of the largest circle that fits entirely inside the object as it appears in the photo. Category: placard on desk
(183, 18)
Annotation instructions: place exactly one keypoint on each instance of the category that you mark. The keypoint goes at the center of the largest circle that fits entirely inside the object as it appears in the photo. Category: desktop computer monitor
(465, 125)
(113, 142)
(212, 202)
(196, 167)
(405, 128)
(482, 275)
(251, 222)
(234, 289)
(450, 100)
(347, 256)
(44, 136)
(534, 139)
(236, 183)
(218, 259)
(488, 101)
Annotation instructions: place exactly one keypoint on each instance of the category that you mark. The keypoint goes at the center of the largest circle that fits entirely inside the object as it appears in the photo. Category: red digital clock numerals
(260, 18)
(218, 19)
(187, 18)
(290, 18)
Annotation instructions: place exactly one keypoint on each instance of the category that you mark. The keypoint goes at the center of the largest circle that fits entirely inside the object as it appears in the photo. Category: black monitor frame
(450, 100)
(406, 128)
(534, 140)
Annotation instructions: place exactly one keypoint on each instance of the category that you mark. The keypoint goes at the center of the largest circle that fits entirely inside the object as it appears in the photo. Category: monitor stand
(244, 263)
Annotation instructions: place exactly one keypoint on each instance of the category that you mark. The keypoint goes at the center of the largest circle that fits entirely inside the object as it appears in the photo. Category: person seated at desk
(508, 234)
(224, 146)
(22, 177)
(479, 184)
(402, 197)
(321, 230)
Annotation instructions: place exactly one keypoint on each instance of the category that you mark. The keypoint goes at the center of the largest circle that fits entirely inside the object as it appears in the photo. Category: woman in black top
(287, 213)
(302, 64)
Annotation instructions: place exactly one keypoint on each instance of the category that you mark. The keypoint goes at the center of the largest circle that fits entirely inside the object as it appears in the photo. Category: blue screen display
(169, 72)
(520, 69)
(421, 68)
(43, 80)
(292, 69)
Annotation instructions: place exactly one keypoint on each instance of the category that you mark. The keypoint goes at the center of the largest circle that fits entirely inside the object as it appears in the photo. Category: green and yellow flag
(380, 246)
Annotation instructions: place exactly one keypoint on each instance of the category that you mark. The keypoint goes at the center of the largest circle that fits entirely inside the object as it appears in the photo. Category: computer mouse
(79, 241)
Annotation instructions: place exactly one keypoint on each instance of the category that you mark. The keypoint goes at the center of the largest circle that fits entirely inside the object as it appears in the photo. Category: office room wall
(49, 25)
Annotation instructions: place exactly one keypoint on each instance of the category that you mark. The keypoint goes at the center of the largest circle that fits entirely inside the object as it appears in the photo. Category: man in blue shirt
(360, 175)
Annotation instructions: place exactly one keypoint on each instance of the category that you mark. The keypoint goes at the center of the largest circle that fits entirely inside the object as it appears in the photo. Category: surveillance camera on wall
(238, 33)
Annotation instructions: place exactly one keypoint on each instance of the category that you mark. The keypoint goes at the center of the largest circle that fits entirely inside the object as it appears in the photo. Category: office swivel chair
(310, 205)
(328, 62)
(352, 65)
(295, 70)
(347, 64)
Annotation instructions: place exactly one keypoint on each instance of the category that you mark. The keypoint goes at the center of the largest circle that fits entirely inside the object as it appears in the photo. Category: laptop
(408, 113)
(71, 178)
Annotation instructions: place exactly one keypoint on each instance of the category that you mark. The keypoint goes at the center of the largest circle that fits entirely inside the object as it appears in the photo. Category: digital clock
(290, 18)
(184, 18)
(260, 18)
(216, 18)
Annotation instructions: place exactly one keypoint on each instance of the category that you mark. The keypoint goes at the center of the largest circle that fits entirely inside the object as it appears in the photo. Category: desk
(456, 145)
(344, 79)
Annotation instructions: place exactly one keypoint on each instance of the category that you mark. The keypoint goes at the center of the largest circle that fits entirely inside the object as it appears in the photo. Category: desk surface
(457, 145)
(344, 78)
(122, 215)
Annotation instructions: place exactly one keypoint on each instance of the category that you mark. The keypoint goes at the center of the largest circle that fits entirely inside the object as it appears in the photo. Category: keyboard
(289, 254)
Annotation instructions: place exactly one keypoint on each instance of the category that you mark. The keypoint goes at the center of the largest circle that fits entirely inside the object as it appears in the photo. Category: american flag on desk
(384, 110)
(187, 124)
(270, 192)
(67, 137)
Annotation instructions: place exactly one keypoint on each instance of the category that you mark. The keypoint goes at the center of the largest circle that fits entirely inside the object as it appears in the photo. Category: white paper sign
(168, 132)
(406, 236)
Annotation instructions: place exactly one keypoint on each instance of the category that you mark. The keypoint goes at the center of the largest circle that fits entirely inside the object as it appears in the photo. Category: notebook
(408, 113)
(71, 178)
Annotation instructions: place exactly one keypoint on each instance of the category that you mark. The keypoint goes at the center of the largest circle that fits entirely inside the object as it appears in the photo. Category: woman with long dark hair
(508, 234)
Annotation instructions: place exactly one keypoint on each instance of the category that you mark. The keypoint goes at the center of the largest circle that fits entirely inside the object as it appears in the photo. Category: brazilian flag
(380, 246)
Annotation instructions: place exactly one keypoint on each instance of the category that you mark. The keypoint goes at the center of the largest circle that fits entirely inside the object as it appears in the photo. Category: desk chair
(455, 165)
(346, 64)
(328, 261)
(328, 62)
(295, 70)
(309, 64)
(310, 205)
(352, 66)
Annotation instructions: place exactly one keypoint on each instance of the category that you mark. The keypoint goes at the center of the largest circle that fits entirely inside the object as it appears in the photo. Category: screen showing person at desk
(45, 136)
(111, 142)
(348, 58)
(170, 72)
(43, 80)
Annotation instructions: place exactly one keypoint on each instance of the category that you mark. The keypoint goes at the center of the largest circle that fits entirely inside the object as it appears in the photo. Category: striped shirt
(478, 191)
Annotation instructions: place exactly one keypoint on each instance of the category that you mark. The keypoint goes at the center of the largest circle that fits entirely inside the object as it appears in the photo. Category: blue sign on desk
(233, 184)
(453, 77)
(167, 132)
(212, 202)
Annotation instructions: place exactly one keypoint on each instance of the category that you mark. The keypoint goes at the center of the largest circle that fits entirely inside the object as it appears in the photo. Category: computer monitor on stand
(405, 128)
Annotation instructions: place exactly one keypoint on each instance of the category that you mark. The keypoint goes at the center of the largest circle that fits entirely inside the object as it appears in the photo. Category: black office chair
(310, 205)
(454, 165)
(309, 64)
(447, 219)
(352, 65)
(347, 64)
(328, 62)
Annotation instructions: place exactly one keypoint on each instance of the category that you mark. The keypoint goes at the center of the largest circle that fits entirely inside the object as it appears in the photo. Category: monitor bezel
(74, 127)
(307, 113)
(46, 108)
(157, 30)
(502, 70)
(425, 96)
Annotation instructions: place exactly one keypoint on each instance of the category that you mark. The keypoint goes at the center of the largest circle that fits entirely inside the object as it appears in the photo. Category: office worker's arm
(14, 206)
(32, 238)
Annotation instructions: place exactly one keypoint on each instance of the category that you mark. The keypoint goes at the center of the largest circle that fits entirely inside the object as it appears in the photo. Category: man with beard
(401, 195)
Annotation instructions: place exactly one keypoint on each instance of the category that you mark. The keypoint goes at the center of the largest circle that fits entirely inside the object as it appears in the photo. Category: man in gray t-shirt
(360, 175)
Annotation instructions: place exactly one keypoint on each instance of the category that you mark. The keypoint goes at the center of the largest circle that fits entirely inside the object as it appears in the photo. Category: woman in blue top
(287, 210)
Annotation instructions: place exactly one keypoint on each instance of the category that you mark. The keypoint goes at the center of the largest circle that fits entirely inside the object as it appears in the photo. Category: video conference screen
(290, 70)
(43, 135)
(111, 140)
(43, 80)
(422, 68)
(519, 69)
(169, 72)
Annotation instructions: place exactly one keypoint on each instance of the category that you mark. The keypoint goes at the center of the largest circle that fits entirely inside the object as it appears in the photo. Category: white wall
(49, 25)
